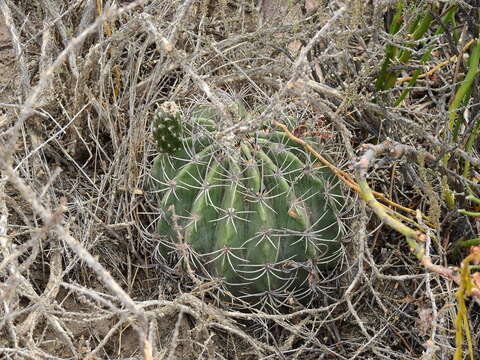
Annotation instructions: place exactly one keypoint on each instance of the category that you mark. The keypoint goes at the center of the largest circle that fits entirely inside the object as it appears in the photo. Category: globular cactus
(257, 212)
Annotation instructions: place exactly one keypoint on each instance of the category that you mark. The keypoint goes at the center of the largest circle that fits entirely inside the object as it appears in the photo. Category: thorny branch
(414, 238)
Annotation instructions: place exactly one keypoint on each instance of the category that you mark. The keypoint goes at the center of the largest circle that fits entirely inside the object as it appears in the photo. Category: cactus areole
(260, 214)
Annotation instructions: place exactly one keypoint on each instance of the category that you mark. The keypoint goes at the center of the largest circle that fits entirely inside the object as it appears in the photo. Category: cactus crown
(167, 129)
(261, 215)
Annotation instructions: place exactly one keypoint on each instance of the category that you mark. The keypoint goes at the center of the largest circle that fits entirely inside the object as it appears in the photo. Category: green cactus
(167, 129)
(259, 213)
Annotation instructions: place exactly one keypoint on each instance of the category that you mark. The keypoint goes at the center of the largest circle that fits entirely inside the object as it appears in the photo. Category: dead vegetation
(81, 80)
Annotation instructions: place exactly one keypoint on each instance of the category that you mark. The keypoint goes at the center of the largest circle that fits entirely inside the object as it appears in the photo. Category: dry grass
(78, 269)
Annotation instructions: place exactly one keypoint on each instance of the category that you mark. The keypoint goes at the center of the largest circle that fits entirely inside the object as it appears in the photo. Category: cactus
(257, 212)
(167, 129)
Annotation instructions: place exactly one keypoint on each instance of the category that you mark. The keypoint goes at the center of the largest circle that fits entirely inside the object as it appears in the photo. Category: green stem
(468, 213)
(417, 34)
(416, 31)
(464, 89)
(468, 243)
(410, 234)
(473, 198)
(446, 19)
(472, 138)
(391, 49)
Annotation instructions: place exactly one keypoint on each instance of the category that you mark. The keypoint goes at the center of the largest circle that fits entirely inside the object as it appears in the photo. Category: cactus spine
(260, 214)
